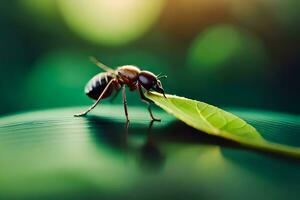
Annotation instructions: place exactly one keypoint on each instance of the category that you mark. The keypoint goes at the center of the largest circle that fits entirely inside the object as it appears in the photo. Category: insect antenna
(162, 76)
(101, 65)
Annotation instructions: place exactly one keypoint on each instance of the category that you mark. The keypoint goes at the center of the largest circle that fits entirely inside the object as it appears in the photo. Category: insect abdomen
(97, 84)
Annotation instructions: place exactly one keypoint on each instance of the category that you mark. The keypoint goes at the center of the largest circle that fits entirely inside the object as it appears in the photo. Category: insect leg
(115, 96)
(151, 114)
(98, 100)
(125, 102)
(149, 102)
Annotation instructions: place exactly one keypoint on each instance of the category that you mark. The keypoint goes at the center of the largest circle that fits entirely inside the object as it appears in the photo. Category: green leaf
(217, 122)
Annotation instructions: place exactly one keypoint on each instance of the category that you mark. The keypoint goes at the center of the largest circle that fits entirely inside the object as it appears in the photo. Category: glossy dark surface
(51, 155)
(147, 79)
(97, 84)
(128, 74)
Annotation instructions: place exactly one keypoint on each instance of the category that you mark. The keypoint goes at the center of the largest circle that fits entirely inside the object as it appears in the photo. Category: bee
(105, 83)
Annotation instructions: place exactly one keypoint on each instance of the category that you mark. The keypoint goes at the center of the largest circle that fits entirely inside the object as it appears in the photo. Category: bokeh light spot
(215, 46)
(225, 46)
(41, 9)
(110, 22)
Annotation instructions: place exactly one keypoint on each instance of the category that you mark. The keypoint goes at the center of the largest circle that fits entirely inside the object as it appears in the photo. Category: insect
(105, 83)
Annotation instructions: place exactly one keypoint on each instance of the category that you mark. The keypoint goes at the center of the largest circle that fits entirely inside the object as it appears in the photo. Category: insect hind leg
(98, 100)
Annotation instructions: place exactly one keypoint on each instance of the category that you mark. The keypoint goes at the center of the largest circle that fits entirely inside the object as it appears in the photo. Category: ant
(103, 84)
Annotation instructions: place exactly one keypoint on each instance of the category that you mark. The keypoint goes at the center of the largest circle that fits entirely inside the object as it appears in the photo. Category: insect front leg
(98, 100)
(147, 101)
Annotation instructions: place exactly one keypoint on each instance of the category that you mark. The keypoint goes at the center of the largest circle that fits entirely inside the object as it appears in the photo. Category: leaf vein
(205, 120)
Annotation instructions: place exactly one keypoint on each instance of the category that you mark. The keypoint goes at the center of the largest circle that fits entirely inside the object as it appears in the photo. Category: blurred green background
(242, 54)
(230, 53)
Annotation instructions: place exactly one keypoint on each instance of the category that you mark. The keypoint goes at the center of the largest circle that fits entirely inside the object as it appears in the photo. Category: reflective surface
(50, 154)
